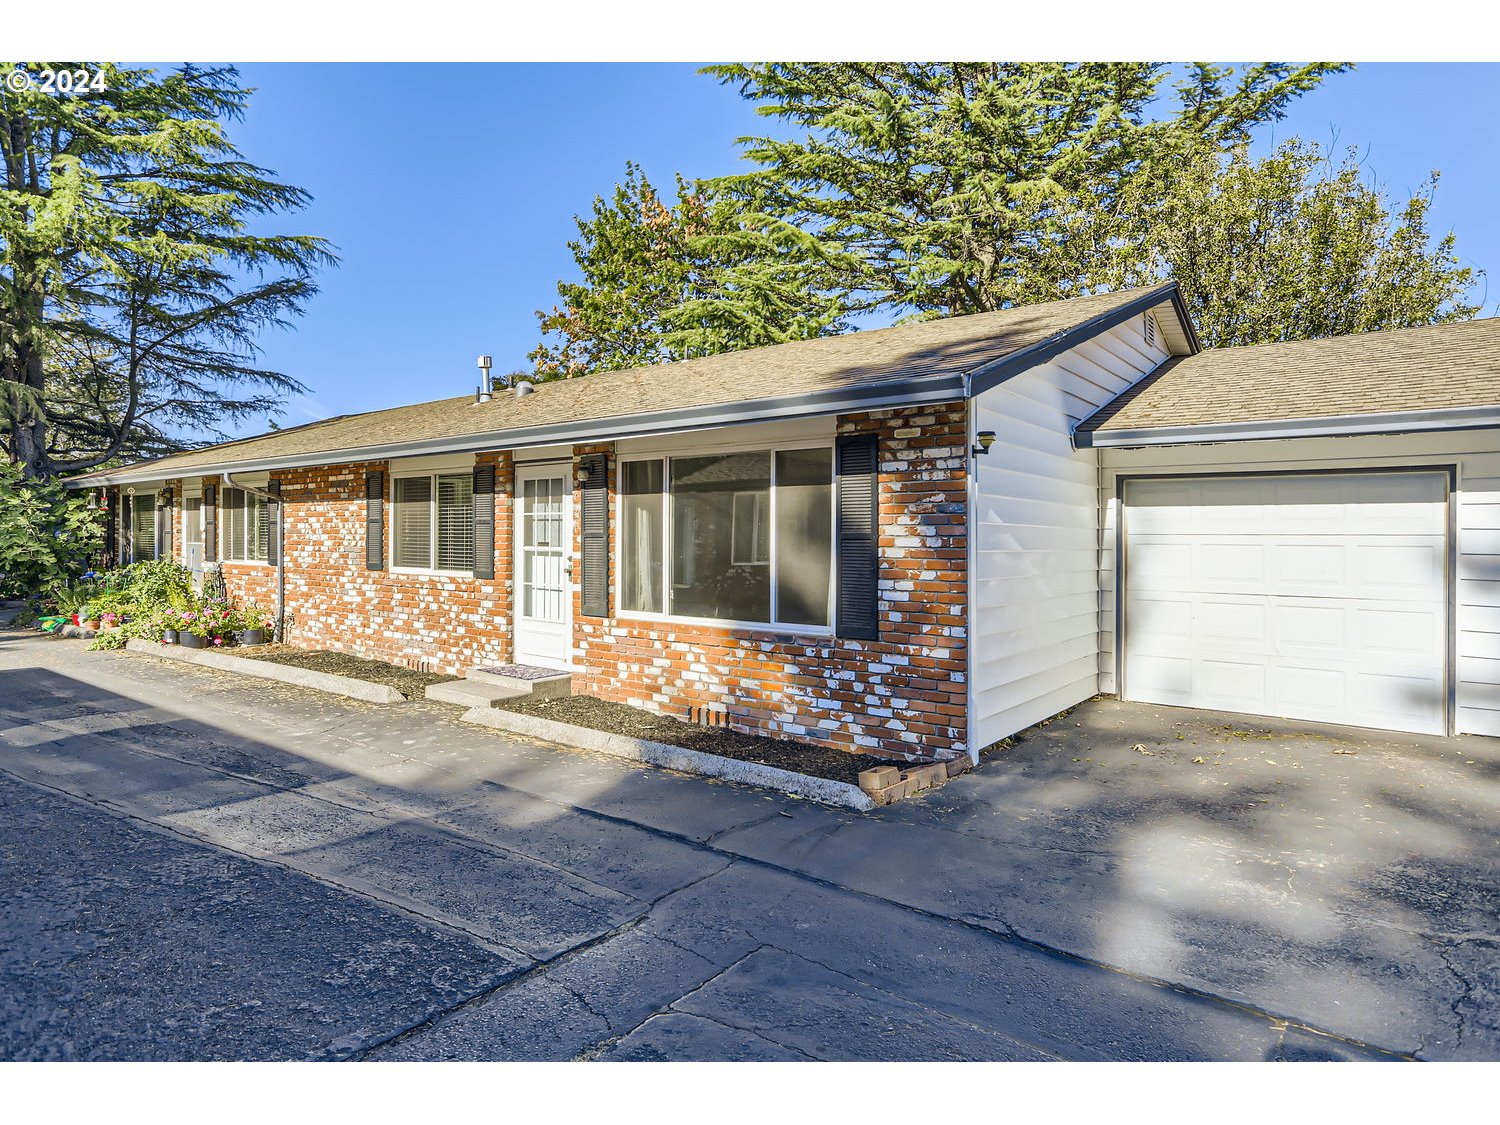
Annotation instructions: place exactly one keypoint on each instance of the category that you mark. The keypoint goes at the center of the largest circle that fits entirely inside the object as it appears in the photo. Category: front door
(543, 525)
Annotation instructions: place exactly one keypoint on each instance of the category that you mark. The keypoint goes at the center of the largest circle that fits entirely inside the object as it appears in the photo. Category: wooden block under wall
(958, 765)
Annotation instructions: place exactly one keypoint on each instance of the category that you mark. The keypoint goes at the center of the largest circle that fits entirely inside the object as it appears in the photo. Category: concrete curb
(266, 670)
(839, 793)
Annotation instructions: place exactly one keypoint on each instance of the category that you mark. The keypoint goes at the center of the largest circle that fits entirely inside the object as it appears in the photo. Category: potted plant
(252, 622)
(193, 632)
(168, 624)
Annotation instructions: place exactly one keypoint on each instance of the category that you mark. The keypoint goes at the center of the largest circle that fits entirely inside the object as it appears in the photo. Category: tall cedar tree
(664, 282)
(132, 291)
(954, 187)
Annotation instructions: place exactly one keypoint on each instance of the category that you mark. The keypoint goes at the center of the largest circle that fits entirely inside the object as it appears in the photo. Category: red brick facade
(903, 695)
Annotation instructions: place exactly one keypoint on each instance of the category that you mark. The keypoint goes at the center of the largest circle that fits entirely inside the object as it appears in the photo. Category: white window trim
(447, 467)
(773, 626)
(221, 521)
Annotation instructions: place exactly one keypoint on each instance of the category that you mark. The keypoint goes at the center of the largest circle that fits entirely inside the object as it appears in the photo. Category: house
(910, 541)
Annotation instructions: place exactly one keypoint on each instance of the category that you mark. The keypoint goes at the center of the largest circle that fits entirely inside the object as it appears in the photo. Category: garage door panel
(1319, 597)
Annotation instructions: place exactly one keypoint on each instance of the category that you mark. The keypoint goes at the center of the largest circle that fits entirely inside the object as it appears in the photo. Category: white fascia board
(1343, 425)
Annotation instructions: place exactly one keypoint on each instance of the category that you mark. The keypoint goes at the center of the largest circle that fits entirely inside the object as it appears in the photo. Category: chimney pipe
(486, 388)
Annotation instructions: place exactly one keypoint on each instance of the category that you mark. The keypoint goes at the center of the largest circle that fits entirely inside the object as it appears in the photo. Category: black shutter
(272, 516)
(595, 546)
(484, 521)
(857, 478)
(375, 520)
(164, 528)
(210, 523)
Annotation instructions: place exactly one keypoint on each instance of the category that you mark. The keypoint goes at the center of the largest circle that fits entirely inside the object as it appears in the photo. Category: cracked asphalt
(195, 866)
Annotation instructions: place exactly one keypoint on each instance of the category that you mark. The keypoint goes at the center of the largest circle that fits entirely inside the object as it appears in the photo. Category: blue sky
(450, 192)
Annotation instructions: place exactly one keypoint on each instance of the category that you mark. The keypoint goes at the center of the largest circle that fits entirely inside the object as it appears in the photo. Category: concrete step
(474, 693)
(541, 683)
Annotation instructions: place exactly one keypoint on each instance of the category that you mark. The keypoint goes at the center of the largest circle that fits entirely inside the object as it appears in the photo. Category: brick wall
(903, 695)
(438, 622)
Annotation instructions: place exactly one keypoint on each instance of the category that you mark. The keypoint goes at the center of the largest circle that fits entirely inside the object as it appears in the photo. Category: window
(192, 531)
(433, 523)
(143, 526)
(731, 537)
(247, 531)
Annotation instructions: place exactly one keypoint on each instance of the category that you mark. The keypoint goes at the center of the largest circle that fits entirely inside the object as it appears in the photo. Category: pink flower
(218, 640)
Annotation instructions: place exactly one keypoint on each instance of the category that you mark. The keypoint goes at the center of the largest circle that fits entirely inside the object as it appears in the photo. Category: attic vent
(709, 715)
(1150, 329)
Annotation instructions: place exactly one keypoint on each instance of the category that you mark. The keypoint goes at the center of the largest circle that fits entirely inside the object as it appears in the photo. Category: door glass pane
(804, 535)
(710, 578)
(412, 536)
(543, 586)
(455, 545)
(640, 536)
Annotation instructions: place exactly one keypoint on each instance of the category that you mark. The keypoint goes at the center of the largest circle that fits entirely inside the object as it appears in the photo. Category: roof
(1447, 373)
(925, 361)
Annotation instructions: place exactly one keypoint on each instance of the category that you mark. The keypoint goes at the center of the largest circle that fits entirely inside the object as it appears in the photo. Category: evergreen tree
(955, 187)
(132, 290)
(663, 282)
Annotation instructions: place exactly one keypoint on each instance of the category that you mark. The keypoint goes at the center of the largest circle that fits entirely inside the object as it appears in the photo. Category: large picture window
(247, 531)
(731, 537)
(433, 523)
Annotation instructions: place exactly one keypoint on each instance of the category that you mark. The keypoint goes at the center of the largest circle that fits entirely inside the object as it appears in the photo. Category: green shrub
(48, 535)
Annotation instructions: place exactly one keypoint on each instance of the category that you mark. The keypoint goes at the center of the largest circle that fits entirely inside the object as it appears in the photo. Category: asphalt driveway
(195, 866)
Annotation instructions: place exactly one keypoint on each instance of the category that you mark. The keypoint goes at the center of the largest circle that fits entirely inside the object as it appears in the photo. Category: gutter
(1338, 425)
(279, 634)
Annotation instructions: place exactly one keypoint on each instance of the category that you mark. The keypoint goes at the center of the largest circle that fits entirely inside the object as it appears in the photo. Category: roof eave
(1344, 425)
(909, 392)
(992, 374)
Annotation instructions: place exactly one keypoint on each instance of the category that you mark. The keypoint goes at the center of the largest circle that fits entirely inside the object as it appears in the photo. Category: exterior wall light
(984, 439)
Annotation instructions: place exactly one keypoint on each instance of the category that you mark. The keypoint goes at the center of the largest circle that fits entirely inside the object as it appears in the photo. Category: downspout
(275, 501)
(971, 561)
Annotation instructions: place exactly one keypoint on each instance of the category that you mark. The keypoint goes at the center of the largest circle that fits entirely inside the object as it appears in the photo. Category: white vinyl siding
(433, 522)
(1034, 617)
(1476, 516)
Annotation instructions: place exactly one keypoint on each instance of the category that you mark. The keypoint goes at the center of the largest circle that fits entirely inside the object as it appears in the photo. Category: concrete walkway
(201, 867)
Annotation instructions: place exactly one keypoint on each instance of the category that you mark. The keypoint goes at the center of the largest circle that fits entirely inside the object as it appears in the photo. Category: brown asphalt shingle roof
(865, 359)
(1431, 368)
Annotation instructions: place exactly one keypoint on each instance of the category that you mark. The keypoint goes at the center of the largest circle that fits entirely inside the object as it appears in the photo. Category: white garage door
(1311, 597)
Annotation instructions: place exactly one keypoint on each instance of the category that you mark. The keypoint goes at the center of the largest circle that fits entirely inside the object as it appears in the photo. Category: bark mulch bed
(408, 682)
(619, 718)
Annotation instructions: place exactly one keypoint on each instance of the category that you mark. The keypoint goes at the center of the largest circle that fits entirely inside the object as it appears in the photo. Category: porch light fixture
(584, 472)
(984, 439)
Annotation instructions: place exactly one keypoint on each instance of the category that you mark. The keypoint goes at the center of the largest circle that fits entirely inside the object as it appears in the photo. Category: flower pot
(169, 636)
(250, 637)
(190, 640)
(94, 625)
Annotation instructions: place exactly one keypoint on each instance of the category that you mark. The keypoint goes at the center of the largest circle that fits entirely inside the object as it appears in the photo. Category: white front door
(543, 567)
(1320, 597)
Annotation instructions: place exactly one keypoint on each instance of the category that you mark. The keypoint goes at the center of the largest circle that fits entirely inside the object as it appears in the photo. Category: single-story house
(911, 541)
